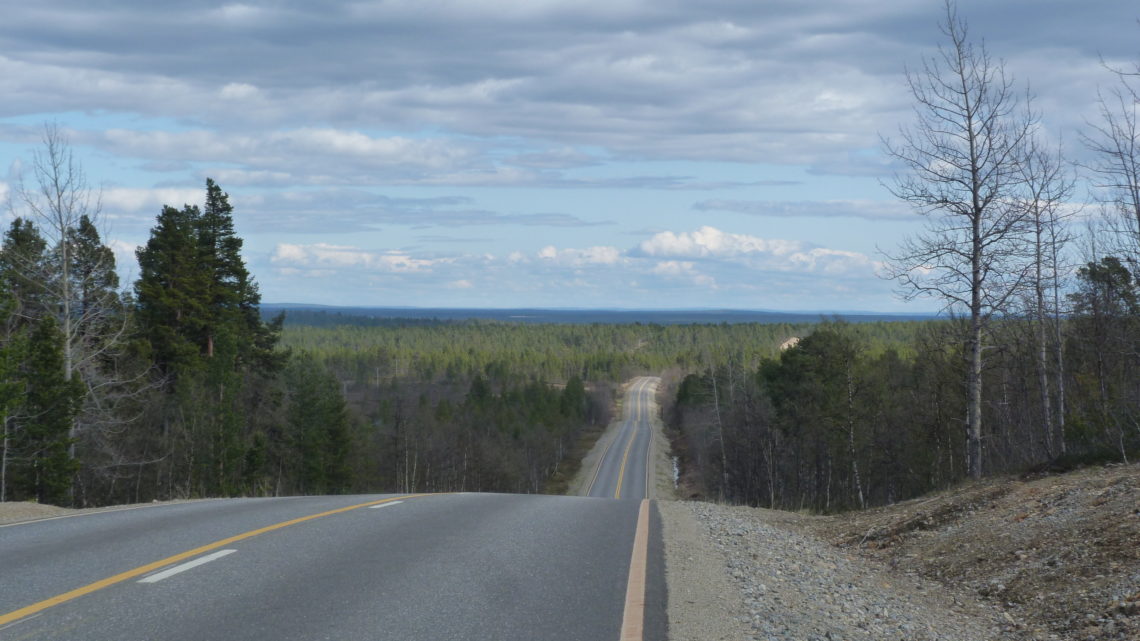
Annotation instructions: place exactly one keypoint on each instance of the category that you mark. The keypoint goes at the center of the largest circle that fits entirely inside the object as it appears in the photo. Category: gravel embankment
(789, 586)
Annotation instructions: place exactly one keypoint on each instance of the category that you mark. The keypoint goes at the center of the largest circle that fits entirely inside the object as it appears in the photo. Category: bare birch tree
(1115, 142)
(963, 156)
(78, 286)
(1048, 187)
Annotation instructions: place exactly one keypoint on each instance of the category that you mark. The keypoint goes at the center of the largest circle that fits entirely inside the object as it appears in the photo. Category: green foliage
(319, 436)
(23, 268)
(42, 434)
(197, 313)
(194, 291)
(440, 352)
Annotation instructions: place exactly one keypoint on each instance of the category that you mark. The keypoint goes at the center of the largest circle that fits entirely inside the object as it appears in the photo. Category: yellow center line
(34, 608)
(624, 458)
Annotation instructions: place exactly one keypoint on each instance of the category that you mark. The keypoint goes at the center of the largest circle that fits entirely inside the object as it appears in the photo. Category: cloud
(865, 209)
(136, 200)
(344, 210)
(709, 242)
(335, 257)
(580, 257)
(779, 82)
(669, 269)
(712, 245)
(331, 210)
(684, 270)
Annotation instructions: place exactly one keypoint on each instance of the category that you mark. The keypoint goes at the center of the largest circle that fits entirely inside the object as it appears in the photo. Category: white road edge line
(377, 507)
(166, 574)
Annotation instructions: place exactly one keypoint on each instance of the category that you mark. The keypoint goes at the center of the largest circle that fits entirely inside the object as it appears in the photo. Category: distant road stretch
(625, 470)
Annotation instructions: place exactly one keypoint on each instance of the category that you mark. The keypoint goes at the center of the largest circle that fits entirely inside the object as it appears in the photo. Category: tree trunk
(720, 433)
(851, 436)
(4, 465)
(1040, 335)
(1059, 356)
(974, 405)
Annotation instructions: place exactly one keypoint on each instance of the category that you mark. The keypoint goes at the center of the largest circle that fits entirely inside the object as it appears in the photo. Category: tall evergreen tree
(172, 289)
(51, 403)
(11, 389)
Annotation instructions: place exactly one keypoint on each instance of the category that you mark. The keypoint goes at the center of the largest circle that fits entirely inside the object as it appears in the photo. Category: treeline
(462, 405)
(457, 351)
(174, 387)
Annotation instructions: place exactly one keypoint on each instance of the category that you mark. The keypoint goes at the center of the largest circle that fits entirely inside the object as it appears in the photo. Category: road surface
(407, 568)
(625, 468)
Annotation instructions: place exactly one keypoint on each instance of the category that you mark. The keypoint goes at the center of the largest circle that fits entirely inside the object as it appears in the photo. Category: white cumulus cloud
(710, 242)
(711, 246)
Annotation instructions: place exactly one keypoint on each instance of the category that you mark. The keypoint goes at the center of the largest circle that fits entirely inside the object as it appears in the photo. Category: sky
(653, 154)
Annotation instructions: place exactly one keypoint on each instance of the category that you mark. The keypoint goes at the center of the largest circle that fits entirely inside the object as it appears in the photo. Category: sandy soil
(16, 512)
(20, 512)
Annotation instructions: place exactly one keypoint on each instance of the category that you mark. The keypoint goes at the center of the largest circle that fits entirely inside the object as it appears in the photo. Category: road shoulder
(704, 604)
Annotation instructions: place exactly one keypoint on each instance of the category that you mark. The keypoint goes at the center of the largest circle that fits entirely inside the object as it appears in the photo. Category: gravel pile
(796, 587)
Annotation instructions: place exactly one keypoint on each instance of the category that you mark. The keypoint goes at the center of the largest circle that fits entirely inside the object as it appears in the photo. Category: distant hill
(319, 315)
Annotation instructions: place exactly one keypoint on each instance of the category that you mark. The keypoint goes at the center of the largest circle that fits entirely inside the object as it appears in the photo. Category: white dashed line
(165, 574)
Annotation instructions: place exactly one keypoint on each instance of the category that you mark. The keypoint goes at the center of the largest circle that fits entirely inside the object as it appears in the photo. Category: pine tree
(10, 386)
(23, 267)
(51, 403)
(318, 428)
(96, 282)
(171, 292)
(197, 308)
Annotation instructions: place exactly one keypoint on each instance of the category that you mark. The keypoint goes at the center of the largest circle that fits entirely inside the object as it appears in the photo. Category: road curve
(459, 566)
(624, 470)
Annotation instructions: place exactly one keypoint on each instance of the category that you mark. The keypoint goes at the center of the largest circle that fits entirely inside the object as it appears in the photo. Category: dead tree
(963, 156)
(1048, 186)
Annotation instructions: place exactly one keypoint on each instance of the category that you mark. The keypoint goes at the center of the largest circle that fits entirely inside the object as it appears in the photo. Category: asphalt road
(625, 467)
(460, 566)
(420, 567)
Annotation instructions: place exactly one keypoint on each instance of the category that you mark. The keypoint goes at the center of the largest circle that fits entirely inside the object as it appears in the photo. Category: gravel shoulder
(1053, 557)
(775, 582)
